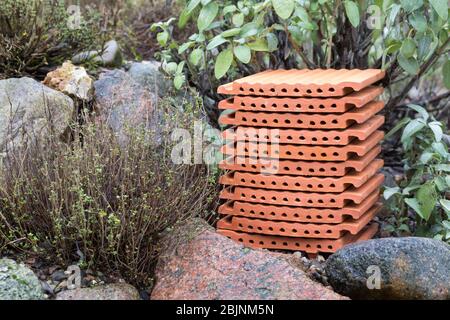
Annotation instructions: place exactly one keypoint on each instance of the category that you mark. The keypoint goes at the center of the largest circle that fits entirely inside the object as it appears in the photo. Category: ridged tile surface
(296, 229)
(298, 214)
(304, 105)
(303, 152)
(298, 244)
(303, 83)
(305, 136)
(300, 153)
(304, 199)
(302, 121)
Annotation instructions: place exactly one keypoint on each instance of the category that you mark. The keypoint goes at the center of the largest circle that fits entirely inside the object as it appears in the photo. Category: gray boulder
(408, 268)
(29, 109)
(17, 282)
(148, 74)
(116, 291)
(123, 104)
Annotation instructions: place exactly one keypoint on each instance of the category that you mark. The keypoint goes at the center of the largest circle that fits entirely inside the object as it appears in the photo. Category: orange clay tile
(300, 168)
(298, 214)
(299, 183)
(299, 244)
(307, 105)
(314, 137)
(303, 152)
(303, 83)
(295, 229)
(304, 199)
(302, 121)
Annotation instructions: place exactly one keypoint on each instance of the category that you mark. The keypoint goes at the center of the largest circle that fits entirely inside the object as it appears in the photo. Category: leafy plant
(237, 38)
(98, 202)
(38, 34)
(425, 190)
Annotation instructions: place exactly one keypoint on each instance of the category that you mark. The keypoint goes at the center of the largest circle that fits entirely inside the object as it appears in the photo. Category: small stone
(71, 80)
(117, 291)
(58, 276)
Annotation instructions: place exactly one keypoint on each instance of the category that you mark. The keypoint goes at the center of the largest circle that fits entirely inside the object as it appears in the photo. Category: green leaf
(162, 38)
(229, 9)
(427, 197)
(170, 67)
(178, 81)
(215, 42)
(238, 19)
(185, 16)
(249, 30)
(397, 127)
(441, 8)
(411, 129)
(259, 45)
(184, 47)
(352, 11)
(414, 204)
(442, 167)
(445, 204)
(389, 192)
(192, 5)
(426, 157)
(223, 63)
(272, 42)
(411, 5)
(409, 65)
(418, 22)
(446, 73)
(231, 32)
(243, 53)
(436, 127)
(421, 110)
(440, 148)
(180, 67)
(408, 48)
(207, 15)
(283, 8)
(195, 56)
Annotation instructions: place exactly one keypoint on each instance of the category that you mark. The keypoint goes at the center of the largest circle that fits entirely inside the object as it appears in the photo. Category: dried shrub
(36, 35)
(98, 203)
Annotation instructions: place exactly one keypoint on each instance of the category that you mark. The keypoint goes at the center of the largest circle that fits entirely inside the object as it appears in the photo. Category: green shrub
(36, 35)
(98, 203)
(424, 192)
(237, 38)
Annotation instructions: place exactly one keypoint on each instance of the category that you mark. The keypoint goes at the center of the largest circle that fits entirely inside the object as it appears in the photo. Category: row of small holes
(284, 215)
(285, 105)
(274, 243)
(289, 153)
(285, 90)
(282, 230)
(256, 136)
(288, 121)
(285, 199)
(311, 170)
(286, 184)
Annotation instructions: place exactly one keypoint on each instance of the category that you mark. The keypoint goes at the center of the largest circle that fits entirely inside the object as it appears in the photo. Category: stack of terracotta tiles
(301, 158)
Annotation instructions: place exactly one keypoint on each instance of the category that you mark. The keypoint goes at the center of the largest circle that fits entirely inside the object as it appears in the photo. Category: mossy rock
(17, 282)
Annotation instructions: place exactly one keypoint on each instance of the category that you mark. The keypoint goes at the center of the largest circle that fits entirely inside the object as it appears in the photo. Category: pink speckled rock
(198, 263)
